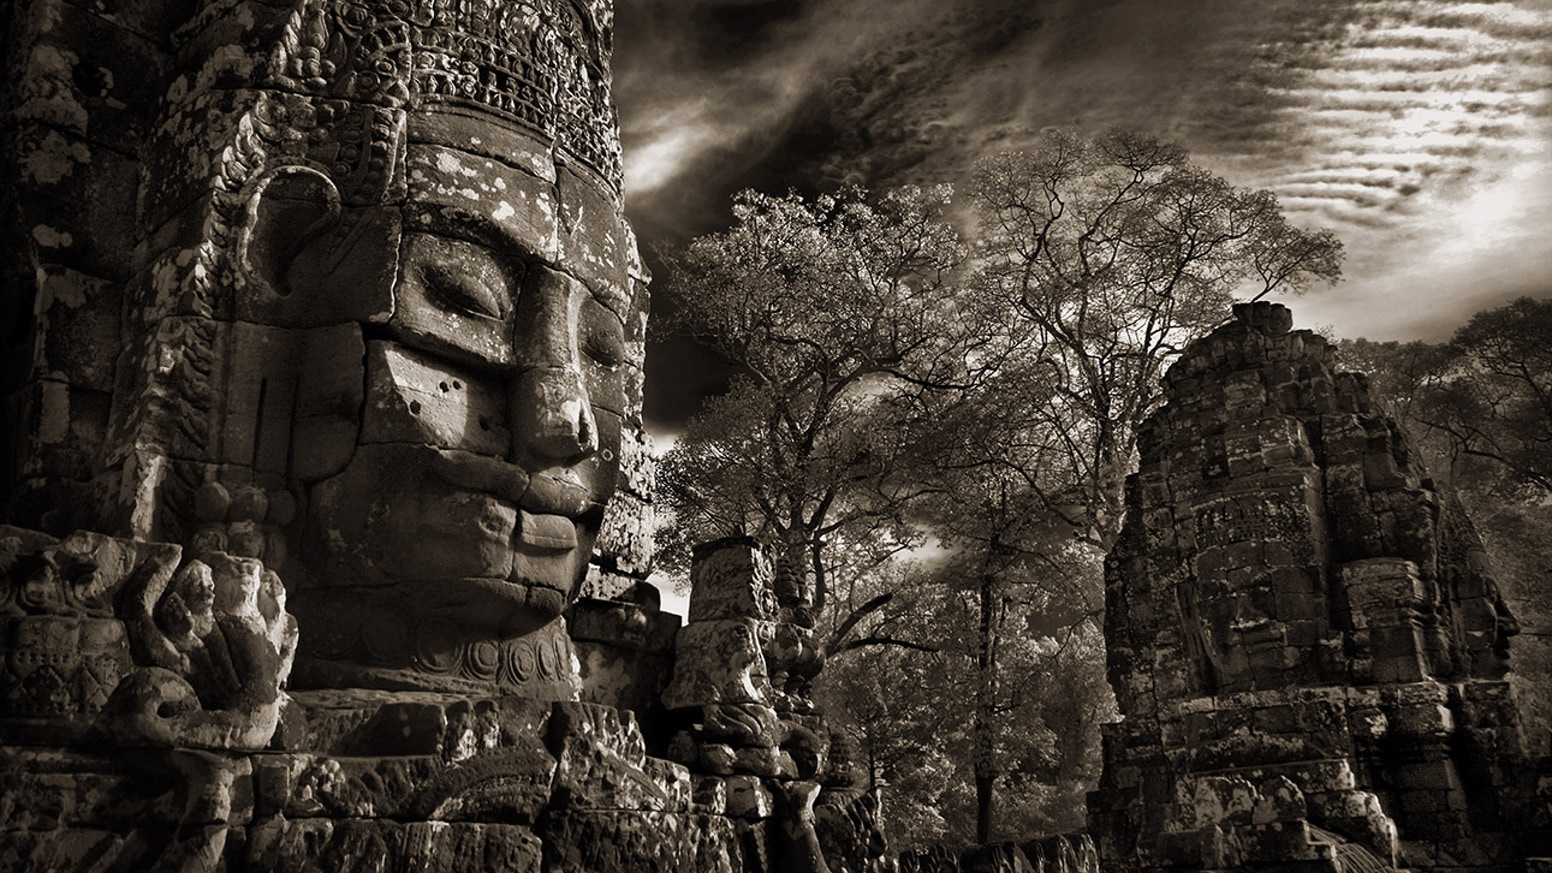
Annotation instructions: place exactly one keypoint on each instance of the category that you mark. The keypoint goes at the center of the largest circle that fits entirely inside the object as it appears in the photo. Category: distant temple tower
(1304, 637)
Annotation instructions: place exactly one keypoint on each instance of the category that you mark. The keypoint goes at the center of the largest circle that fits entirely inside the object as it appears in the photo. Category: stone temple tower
(341, 286)
(1304, 635)
(322, 454)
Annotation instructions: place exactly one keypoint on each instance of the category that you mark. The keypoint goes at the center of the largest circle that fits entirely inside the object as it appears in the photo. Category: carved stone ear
(285, 209)
(306, 260)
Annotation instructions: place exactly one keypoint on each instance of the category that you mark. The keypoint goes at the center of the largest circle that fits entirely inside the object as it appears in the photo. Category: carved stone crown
(545, 63)
(542, 64)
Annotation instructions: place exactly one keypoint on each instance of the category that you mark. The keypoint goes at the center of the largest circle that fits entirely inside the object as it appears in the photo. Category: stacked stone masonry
(1059, 854)
(1304, 636)
(761, 751)
(327, 501)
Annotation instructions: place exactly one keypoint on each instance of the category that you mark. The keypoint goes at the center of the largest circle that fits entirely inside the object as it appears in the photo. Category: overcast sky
(1420, 131)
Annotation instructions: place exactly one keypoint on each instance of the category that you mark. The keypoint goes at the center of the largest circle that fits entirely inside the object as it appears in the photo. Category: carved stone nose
(552, 415)
(548, 405)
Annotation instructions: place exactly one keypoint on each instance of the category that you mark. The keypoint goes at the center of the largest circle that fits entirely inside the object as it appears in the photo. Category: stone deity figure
(384, 282)
(320, 413)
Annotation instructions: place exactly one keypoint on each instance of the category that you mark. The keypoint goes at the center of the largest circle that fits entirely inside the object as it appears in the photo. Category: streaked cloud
(1423, 139)
(1420, 130)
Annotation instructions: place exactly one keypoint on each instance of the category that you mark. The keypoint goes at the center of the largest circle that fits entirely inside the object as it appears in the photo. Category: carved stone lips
(557, 492)
(546, 498)
(551, 532)
(474, 472)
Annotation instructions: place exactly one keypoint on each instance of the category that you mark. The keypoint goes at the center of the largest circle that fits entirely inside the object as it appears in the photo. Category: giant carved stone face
(489, 438)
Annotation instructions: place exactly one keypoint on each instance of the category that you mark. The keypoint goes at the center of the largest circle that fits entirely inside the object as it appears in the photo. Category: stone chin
(442, 632)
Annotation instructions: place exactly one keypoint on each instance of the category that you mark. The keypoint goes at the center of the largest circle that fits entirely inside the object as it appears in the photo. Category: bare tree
(1117, 252)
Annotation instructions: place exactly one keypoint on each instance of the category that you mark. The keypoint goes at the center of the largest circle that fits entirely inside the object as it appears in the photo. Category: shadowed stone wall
(1059, 854)
(1304, 635)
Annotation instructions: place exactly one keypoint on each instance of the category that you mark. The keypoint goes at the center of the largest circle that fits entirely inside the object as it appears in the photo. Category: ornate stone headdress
(326, 84)
(541, 64)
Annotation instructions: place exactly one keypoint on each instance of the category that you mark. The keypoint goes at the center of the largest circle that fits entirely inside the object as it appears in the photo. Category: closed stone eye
(606, 351)
(473, 285)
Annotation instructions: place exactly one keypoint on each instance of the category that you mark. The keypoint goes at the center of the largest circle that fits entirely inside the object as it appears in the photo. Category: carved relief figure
(490, 439)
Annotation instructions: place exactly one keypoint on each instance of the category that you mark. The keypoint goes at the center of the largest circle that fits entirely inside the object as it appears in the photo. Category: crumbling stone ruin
(1303, 635)
(327, 492)
(327, 505)
(760, 750)
(1065, 853)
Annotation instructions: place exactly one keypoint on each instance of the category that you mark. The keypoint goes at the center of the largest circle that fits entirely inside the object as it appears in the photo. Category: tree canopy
(1115, 253)
(1483, 399)
(899, 389)
(832, 308)
(1495, 403)
(1108, 256)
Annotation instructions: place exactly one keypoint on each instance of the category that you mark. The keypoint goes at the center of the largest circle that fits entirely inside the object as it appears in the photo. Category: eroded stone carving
(131, 640)
(1303, 633)
(352, 305)
(431, 304)
(381, 276)
(759, 748)
(216, 645)
(65, 650)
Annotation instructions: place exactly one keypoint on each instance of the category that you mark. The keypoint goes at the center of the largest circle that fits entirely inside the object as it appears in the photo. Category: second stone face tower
(1304, 636)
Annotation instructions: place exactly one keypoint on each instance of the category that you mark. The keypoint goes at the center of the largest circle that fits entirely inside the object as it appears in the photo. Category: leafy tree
(832, 308)
(880, 404)
(1104, 259)
(911, 712)
(1494, 402)
(1015, 557)
(900, 706)
(1482, 401)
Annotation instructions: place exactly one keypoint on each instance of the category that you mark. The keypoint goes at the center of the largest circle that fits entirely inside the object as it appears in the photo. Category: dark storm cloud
(814, 95)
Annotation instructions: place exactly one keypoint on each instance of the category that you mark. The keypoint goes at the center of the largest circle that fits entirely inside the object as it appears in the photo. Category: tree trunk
(985, 785)
(985, 704)
(793, 584)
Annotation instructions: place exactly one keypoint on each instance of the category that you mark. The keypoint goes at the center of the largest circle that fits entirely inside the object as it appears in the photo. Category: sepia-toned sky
(1420, 131)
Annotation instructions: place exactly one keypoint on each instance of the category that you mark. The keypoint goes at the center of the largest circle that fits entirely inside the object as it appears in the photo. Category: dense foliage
(833, 310)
